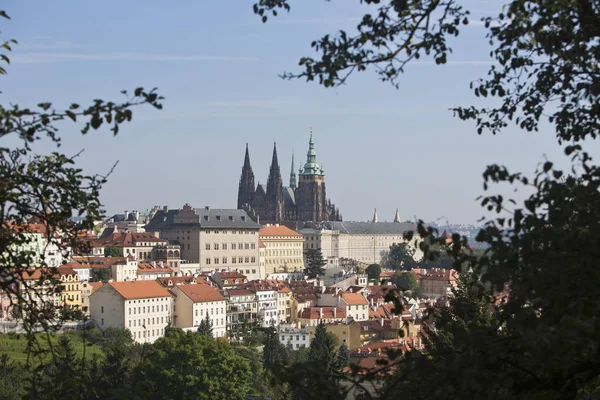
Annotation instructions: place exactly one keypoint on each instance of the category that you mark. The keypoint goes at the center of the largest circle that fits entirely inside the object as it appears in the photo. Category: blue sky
(217, 66)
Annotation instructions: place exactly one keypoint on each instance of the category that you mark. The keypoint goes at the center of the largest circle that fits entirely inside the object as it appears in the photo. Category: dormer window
(231, 217)
(218, 217)
(243, 218)
(206, 217)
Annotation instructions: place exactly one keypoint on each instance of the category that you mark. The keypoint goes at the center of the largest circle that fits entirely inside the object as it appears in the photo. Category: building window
(247, 259)
(253, 246)
(232, 246)
(216, 246)
(102, 309)
(216, 260)
(208, 261)
(224, 260)
(102, 321)
(241, 259)
(207, 246)
(253, 259)
(247, 246)
(233, 260)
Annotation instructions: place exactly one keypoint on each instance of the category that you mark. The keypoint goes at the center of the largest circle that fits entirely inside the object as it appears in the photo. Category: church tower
(275, 190)
(293, 175)
(246, 187)
(310, 195)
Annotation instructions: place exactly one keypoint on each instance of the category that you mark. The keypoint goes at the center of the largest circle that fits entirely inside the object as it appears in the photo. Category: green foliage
(322, 350)
(187, 365)
(541, 343)
(315, 263)
(206, 327)
(343, 356)
(401, 256)
(13, 379)
(373, 271)
(274, 353)
(101, 275)
(112, 252)
(406, 281)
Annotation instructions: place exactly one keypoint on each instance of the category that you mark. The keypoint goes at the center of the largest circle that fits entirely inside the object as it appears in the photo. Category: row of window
(284, 252)
(282, 262)
(233, 232)
(283, 244)
(151, 333)
(292, 337)
(234, 246)
(142, 322)
(212, 311)
(142, 310)
(234, 260)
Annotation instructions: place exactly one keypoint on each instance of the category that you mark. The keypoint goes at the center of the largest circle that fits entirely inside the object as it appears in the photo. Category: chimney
(320, 313)
(372, 302)
(165, 208)
(334, 312)
(381, 321)
(207, 208)
(153, 264)
(322, 289)
(126, 215)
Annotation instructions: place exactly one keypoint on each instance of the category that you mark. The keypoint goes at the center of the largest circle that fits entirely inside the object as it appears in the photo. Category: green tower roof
(311, 167)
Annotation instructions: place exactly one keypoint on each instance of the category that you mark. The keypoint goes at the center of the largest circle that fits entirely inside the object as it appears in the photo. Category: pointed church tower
(293, 175)
(375, 219)
(246, 187)
(311, 198)
(397, 216)
(275, 190)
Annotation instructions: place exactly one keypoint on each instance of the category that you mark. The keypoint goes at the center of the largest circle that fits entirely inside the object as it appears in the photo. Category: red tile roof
(140, 289)
(98, 262)
(129, 239)
(95, 285)
(315, 313)
(354, 298)
(281, 230)
(200, 293)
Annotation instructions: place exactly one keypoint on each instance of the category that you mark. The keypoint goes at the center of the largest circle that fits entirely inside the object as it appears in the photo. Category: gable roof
(207, 218)
(278, 230)
(354, 298)
(201, 293)
(139, 289)
(328, 313)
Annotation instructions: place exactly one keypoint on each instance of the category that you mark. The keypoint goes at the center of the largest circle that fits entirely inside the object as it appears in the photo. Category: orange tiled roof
(354, 298)
(98, 262)
(95, 285)
(120, 239)
(315, 313)
(145, 268)
(139, 289)
(201, 293)
(272, 230)
(261, 244)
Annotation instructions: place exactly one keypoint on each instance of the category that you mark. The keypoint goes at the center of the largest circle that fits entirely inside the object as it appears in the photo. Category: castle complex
(303, 200)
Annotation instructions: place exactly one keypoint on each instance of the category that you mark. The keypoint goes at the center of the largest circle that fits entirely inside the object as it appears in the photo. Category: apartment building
(215, 239)
(139, 245)
(143, 307)
(194, 302)
(283, 249)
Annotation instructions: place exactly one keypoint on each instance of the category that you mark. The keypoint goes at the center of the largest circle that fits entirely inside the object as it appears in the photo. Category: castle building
(304, 199)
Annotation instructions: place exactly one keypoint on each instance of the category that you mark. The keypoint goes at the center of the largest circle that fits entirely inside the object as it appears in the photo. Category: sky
(218, 68)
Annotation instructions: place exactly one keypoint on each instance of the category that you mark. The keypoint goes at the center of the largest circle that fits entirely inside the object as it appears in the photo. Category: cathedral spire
(293, 175)
(246, 187)
(397, 216)
(375, 219)
(275, 187)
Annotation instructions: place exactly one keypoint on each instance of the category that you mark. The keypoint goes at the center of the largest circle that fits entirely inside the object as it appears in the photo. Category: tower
(246, 187)
(275, 190)
(293, 175)
(375, 218)
(397, 216)
(310, 195)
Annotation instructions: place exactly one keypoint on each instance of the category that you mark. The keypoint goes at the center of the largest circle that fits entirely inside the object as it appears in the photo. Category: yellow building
(283, 249)
(70, 295)
(346, 333)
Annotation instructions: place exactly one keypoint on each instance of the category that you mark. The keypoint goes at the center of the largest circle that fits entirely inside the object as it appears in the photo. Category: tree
(112, 251)
(406, 281)
(206, 327)
(13, 379)
(185, 365)
(401, 256)
(373, 271)
(322, 350)
(343, 356)
(544, 75)
(273, 351)
(101, 275)
(315, 263)
(47, 189)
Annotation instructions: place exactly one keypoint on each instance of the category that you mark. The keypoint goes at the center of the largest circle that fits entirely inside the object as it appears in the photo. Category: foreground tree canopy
(47, 189)
(524, 319)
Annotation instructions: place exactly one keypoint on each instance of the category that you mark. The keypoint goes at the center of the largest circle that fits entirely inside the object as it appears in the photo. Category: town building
(137, 244)
(283, 249)
(294, 337)
(435, 282)
(215, 239)
(152, 271)
(266, 296)
(313, 316)
(87, 288)
(143, 307)
(194, 302)
(303, 200)
(242, 307)
(346, 332)
(366, 242)
(70, 294)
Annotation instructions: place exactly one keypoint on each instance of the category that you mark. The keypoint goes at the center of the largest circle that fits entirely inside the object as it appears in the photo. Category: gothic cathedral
(304, 200)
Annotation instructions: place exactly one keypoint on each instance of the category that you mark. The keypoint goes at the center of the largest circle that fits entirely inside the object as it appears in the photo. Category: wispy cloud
(42, 58)
(46, 43)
